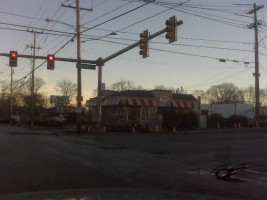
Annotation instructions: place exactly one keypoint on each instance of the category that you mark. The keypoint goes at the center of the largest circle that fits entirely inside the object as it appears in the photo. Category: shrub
(214, 119)
(236, 119)
(181, 119)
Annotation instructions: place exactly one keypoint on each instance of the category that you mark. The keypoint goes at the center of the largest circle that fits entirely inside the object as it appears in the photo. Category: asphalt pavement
(182, 163)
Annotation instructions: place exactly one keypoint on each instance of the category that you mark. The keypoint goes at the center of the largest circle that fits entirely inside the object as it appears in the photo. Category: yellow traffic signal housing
(144, 44)
(13, 59)
(171, 29)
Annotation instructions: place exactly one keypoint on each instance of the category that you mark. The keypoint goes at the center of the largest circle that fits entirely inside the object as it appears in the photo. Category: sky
(212, 30)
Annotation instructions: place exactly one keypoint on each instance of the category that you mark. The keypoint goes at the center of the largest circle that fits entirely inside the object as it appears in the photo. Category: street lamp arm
(57, 21)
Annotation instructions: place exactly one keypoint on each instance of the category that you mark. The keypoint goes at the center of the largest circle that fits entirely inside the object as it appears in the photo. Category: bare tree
(25, 86)
(122, 85)
(177, 91)
(25, 92)
(249, 94)
(201, 94)
(66, 88)
(225, 93)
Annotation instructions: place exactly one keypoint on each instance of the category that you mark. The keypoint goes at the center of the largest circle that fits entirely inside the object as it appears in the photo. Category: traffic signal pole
(100, 62)
(137, 44)
(11, 93)
(79, 70)
(56, 58)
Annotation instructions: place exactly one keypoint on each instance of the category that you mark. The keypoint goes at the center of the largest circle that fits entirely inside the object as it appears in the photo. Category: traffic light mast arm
(137, 43)
(56, 58)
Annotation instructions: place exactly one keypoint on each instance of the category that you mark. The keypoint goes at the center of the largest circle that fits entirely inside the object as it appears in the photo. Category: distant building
(140, 107)
(226, 110)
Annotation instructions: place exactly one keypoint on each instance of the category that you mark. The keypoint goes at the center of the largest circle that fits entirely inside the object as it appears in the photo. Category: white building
(226, 110)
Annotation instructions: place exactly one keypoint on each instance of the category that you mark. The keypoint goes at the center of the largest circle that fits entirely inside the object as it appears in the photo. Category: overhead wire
(105, 14)
(147, 18)
(219, 74)
(188, 11)
(21, 40)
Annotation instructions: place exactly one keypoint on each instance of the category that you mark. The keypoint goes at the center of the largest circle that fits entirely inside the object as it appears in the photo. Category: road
(181, 163)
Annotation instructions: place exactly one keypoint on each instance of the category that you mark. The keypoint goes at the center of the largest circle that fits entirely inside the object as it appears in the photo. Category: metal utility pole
(11, 93)
(99, 93)
(79, 71)
(256, 74)
(32, 75)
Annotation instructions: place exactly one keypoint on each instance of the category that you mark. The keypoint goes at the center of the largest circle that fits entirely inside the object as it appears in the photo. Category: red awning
(141, 102)
(138, 102)
(146, 102)
(154, 103)
(111, 102)
(130, 102)
(184, 104)
(174, 104)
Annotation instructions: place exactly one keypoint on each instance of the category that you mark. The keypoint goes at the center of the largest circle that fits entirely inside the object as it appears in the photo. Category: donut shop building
(140, 107)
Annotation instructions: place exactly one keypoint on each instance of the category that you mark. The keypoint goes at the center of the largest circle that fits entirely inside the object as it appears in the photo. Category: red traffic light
(50, 62)
(13, 54)
(51, 57)
(13, 57)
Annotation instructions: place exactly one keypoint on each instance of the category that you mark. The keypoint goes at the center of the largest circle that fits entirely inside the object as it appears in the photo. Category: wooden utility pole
(256, 74)
(79, 97)
(32, 76)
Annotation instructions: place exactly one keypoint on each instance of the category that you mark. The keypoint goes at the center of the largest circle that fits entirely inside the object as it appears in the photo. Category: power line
(204, 17)
(107, 13)
(186, 45)
(185, 38)
(215, 76)
(182, 53)
(36, 28)
(125, 13)
(23, 16)
(142, 20)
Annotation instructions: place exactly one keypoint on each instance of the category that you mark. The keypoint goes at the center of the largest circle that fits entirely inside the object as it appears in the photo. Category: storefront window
(132, 112)
(145, 113)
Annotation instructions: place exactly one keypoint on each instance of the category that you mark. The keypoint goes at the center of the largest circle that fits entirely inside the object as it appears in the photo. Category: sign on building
(164, 99)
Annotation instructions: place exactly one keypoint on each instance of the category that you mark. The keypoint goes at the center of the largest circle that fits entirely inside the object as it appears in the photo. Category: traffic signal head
(50, 62)
(144, 47)
(13, 57)
(171, 29)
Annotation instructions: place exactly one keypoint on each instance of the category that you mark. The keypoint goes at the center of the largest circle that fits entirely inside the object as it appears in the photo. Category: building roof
(183, 97)
(134, 93)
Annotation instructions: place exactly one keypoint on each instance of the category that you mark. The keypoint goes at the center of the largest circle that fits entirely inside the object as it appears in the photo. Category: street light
(60, 22)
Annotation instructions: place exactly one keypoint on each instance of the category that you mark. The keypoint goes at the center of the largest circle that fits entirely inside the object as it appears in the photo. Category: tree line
(22, 94)
(221, 93)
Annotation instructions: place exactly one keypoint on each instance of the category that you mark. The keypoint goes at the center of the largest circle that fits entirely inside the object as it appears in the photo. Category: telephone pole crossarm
(74, 7)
